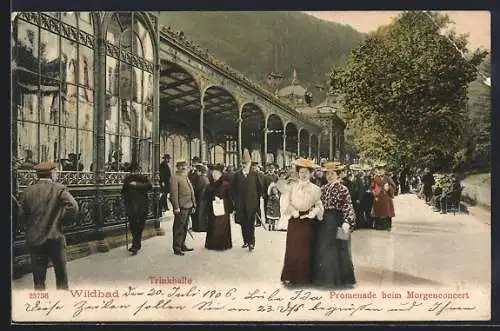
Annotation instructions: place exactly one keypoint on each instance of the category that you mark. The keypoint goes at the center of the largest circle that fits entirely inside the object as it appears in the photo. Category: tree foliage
(405, 88)
(476, 151)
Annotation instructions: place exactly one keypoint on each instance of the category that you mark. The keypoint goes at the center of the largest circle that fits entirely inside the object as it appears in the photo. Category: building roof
(307, 110)
(292, 89)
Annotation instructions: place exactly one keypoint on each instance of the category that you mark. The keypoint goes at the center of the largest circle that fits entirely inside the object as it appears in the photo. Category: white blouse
(304, 196)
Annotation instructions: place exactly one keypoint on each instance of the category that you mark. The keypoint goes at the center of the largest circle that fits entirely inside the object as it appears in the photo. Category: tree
(407, 84)
(476, 154)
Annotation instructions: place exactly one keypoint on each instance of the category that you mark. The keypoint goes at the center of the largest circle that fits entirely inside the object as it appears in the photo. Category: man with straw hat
(246, 191)
(44, 207)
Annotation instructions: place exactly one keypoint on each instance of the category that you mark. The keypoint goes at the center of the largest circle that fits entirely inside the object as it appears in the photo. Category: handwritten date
(287, 309)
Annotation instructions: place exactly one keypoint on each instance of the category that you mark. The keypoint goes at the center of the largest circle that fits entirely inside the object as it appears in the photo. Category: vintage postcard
(251, 166)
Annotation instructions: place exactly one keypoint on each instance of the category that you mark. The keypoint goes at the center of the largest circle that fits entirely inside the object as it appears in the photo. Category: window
(129, 90)
(53, 93)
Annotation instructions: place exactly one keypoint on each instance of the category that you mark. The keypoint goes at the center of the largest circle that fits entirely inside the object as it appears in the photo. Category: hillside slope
(257, 43)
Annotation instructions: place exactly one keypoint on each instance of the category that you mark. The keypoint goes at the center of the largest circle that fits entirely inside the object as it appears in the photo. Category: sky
(476, 23)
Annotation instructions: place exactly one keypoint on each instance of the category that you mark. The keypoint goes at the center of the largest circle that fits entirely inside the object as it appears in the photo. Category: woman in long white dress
(303, 209)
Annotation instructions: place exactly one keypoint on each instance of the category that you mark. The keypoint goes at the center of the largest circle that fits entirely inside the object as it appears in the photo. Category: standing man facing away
(184, 203)
(165, 179)
(135, 195)
(43, 207)
(247, 189)
(428, 181)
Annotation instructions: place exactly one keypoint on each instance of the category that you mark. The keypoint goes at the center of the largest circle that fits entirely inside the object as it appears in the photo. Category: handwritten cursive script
(235, 303)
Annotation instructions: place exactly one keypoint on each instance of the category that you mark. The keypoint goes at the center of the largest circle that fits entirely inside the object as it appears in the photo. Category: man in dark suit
(246, 190)
(428, 181)
(135, 195)
(165, 179)
(43, 207)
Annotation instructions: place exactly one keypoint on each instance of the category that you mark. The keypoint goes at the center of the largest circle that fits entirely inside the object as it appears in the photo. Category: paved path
(423, 248)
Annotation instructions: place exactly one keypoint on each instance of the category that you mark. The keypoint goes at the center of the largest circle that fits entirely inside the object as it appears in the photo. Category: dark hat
(181, 163)
(201, 168)
(166, 156)
(45, 166)
(196, 159)
(219, 166)
(254, 163)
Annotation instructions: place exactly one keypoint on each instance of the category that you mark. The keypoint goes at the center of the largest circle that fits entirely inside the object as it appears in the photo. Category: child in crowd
(273, 206)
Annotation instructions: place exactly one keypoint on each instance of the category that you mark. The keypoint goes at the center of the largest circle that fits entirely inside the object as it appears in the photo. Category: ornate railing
(83, 187)
(74, 178)
(68, 178)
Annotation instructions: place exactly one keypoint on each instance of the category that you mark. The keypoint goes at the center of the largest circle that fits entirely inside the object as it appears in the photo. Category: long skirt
(332, 261)
(199, 217)
(297, 266)
(219, 233)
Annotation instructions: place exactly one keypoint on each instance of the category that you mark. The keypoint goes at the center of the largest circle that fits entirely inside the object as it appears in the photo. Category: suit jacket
(246, 193)
(357, 190)
(182, 193)
(165, 176)
(136, 196)
(43, 207)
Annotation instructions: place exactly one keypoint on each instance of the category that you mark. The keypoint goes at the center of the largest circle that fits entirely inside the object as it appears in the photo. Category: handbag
(341, 235)
(218, 207)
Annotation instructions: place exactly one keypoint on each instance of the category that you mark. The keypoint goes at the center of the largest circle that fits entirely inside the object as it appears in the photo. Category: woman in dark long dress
(332, 262)
(199, 217)
(219, 227)
(303, 208)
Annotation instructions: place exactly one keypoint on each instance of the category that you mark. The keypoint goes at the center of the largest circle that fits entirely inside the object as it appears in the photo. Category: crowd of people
(318, 205)
(442, 191)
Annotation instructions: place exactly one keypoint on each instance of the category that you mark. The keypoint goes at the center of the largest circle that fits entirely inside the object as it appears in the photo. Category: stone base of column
(102, 246)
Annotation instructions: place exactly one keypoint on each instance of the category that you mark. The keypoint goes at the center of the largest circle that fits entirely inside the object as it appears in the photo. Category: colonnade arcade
(229, 126)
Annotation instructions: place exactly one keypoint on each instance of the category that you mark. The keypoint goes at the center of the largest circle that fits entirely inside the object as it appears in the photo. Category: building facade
(84, 95)
(97, 91)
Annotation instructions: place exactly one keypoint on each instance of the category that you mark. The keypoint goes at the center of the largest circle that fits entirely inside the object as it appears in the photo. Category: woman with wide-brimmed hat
(332, 262)
(304, 207)
(219, 226)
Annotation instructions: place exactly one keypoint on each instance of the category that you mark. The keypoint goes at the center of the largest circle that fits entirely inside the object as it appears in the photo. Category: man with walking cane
(135, 195)
(184, 203)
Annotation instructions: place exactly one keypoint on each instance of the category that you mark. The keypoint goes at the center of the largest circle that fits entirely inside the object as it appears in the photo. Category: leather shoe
(186, 249)
(179, 253)
(244, 245)
(251, 247)
(134, 251)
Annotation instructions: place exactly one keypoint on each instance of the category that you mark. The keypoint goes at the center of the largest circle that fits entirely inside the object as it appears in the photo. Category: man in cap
(135, 195)
(184, 203)
(165, 179)
(246, 190)
(43, 207)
